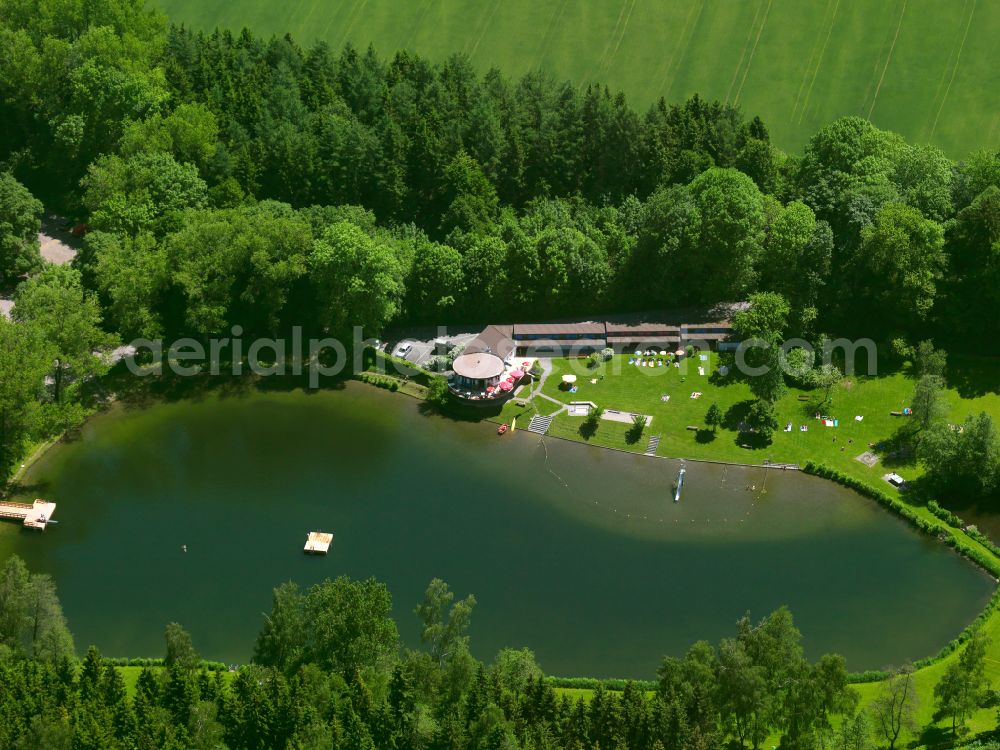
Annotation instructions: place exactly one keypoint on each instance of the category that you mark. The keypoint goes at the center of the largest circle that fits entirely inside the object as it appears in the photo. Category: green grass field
(923, 68)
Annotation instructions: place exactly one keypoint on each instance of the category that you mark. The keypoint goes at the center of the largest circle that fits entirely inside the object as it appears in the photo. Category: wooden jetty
(318, 543)
(36, 515)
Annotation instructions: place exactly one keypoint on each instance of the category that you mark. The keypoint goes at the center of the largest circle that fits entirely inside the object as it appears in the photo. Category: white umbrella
(569, 378)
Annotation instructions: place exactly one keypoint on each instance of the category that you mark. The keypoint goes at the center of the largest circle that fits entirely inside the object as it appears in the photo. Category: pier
(318, 543)
(36, 515)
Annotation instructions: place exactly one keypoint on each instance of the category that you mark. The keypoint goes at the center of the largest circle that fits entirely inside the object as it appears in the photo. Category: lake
(576, 552)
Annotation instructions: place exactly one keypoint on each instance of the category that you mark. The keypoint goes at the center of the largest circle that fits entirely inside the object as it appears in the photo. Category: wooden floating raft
(36, 515)
(318, 543)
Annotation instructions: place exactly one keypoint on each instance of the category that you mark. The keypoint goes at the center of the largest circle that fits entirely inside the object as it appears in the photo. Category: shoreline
(32, 458)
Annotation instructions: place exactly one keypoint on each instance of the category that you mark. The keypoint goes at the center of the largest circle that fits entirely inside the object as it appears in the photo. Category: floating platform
(36, 515)
(680, 484)
(318, 543)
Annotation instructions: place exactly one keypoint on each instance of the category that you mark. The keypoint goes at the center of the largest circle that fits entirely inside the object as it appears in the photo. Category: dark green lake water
(576, 552)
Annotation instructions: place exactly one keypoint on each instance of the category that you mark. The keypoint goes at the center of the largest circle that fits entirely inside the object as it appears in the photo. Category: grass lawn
(920, 67)
(639, 389)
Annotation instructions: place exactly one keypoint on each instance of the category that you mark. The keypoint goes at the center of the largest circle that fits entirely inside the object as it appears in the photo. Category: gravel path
(58, 246)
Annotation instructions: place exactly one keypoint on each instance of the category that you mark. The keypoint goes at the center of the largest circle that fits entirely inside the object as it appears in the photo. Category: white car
(403, 350)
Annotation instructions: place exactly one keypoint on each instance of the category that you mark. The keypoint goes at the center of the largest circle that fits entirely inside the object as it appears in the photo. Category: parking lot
(422, 351)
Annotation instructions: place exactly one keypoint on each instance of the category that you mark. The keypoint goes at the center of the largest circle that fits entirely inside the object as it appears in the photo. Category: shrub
(379, 381)
(437, 392)
(945, 515)
(901, 349)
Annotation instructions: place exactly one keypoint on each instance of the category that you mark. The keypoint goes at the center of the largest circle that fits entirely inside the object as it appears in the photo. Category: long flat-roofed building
(624, 335)
(582, 337)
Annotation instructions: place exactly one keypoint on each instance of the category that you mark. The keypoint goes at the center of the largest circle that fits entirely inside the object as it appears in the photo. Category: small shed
(895, 480)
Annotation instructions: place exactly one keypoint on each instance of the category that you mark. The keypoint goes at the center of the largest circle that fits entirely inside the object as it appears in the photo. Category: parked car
(403, 349)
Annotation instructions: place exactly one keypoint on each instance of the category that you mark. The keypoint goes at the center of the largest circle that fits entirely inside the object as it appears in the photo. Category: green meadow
(923, 68)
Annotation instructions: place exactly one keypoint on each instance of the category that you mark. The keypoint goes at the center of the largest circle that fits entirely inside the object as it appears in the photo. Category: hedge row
(973, 533)
(380, 381)
(944, 514)
(970, 531)
(990, 564)
(398, 366)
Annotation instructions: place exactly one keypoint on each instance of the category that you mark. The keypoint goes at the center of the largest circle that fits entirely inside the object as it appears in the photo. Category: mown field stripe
(819, 63)
(812, 57)
(486, 27)
(681, 52)
(753, 51)
(743, 52)
(948, 60)
(954, 70)
(546, 38)
(354, 20)
(611, 38)
(621, 36)
(415, 26)
(334, 15)
(888, 60)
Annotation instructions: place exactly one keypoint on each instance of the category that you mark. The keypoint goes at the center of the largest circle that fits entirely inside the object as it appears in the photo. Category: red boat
(502, 429)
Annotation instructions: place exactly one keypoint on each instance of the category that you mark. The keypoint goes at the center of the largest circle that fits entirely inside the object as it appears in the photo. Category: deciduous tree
(20, 220)
(894, 709)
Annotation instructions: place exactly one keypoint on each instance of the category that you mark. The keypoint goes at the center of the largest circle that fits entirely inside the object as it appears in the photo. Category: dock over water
(36, 515)
(318, 543)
